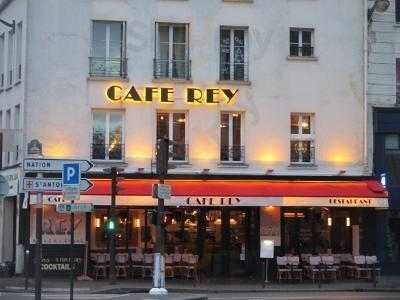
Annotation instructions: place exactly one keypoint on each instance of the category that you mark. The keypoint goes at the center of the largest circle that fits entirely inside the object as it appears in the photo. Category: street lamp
(379, 6)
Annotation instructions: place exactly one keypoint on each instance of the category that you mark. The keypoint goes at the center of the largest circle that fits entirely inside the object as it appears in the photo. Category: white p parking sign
(71, 179)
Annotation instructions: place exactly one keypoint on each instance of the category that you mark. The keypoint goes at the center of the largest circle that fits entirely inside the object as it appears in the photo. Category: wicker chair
(283, 270)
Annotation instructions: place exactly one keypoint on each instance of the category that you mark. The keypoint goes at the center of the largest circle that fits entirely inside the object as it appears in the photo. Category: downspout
(365, 90)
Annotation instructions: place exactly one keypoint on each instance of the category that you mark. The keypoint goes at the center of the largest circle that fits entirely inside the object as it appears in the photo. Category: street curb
(18, 289)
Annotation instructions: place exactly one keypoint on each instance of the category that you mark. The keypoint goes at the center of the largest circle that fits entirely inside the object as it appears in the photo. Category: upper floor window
(19, 52)
(8, 126)
(172, 125)
(397, 80)
(17, 120)
(233, 54)
(232, 149)
(302, 149)
(172, 51)
(301, 42)
(397, 10)
(10, 57)
(108, 55)
(2, 66)
(108, 135)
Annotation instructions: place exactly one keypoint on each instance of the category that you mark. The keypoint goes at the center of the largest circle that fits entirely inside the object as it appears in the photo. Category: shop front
(223, 221)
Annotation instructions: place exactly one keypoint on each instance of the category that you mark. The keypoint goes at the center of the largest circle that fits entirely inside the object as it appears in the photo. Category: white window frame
(303, 137)
(300, 44)
(107, 135)
(230, 135)
(171, 45)
(18, 55)
(232, 51)
(10, 58)
(171, 130)
(123, 42)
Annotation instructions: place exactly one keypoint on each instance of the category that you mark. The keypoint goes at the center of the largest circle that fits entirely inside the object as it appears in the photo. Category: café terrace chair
(314, 271)
(362, 271)
(100, 266)
(283, 270)
(169, 266)
(191, 269)
(330, 270)
(373, 264)
(121, 265)
(148, 264)
(296, 272)
(137, 263)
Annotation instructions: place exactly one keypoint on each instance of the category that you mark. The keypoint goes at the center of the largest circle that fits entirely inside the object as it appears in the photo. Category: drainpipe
(365, 89)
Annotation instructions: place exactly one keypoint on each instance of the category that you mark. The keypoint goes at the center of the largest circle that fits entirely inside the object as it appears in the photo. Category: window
(172, 125)
(19, 51)
(8, 126)
(233, 54)
(231, 137)
(302, 139)
(397, 9)
(301, 42)
(108, 135)
(172, 51)
(397, 80)
(10, 58)
(2, 66)
(108, 49)
(17, 113)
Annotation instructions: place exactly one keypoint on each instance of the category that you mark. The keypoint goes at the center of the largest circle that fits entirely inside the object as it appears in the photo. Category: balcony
(178, 154)
(108, 152)
(107, 67)
(172, 69)
(305, 51)
(232, 154)
(234, 72)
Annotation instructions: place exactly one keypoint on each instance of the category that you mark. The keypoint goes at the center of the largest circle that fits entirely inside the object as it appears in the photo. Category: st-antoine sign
(120, 94)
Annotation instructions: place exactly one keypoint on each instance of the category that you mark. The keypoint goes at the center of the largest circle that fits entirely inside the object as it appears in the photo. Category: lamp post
(35, 149)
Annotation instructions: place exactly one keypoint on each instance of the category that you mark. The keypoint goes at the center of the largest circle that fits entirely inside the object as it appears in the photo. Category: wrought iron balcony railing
(232, 154)
(108, 151)
(306, 51)
(172, 69)
(108, 67)
(235, 71)
(177, 153)
(302, 152)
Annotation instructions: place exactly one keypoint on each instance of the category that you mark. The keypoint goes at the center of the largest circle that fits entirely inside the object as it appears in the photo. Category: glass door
(238, 240)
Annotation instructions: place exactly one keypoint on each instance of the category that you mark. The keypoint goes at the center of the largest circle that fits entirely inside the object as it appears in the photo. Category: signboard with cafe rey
(191, 95)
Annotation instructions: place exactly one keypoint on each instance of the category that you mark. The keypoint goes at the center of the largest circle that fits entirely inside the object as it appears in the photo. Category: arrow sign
(51, 184)
(53, 165)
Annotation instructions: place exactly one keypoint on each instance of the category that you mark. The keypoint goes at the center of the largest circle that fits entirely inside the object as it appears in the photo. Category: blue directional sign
(71, 174)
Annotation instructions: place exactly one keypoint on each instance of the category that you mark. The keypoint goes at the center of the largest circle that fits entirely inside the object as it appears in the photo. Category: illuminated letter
(165, 92)
(112, 95)
(210, 95)
(229, 94)
(133, 95)
(191, 95)
(149, 92)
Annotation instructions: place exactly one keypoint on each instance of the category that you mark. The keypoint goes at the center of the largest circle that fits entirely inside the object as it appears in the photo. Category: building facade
(384, 120)
(266, 113)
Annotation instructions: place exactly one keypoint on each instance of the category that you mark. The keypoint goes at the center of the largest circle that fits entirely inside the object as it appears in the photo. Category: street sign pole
(72, 260)
(112, 218)
(38, 245)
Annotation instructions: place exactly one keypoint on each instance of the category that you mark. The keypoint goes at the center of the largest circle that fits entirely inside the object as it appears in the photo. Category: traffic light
(110, 225)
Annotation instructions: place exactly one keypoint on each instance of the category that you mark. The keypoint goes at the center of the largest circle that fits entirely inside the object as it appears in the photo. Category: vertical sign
(71, 178)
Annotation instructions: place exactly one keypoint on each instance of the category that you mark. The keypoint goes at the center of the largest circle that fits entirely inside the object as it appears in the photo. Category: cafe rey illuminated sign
(119, 94)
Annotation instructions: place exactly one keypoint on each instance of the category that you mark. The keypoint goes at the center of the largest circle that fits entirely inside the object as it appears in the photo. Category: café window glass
(108, 55)
(172, 51)
(231, 140)
(302, 138)
(172, 125)
(233, 54)
(108, 135)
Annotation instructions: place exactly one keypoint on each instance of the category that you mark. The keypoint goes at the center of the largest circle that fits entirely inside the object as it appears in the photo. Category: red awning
(247, 188)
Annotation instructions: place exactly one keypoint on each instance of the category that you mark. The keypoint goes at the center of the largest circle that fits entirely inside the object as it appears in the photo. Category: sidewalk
(57, 285)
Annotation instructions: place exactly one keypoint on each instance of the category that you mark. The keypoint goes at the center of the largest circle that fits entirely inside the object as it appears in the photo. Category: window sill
(302, 58)
(107, 78)
(232, 164)
(171, 80)
(300, 166)
(234, 82)
(239, 1)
